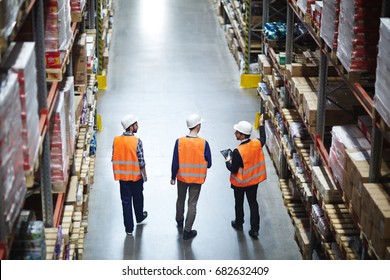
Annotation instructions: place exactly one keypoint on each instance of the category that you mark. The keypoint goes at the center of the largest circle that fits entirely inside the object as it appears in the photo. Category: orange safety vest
(192, 164)
(254, 170)
(125, 160)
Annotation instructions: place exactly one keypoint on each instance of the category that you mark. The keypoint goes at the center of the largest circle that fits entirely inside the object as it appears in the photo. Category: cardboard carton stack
(375, 217)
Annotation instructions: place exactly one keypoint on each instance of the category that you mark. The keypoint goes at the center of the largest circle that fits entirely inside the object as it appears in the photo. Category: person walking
(191, 159)
(129, 168)
(247, 167)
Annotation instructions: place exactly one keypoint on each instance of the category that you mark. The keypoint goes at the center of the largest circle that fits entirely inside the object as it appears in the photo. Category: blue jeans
(132, 195)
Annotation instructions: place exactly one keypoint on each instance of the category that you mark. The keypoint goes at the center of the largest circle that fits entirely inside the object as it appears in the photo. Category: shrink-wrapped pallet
(58, 33)
(382, 83)
(59, 160)
(330, 22)
(343, 138)
(305, 5)
(22, 61)
(358, 34)
(70, 119)
(12, 178)
(9, 10)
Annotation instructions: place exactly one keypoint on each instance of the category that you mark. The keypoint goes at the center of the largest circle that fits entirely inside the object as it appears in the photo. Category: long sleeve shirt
(139, 151)
(237, 161)
(175, 159)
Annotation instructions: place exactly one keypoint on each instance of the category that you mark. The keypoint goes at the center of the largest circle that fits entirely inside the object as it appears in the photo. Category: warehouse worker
(247, 167)
(191, 158)
(129, 168)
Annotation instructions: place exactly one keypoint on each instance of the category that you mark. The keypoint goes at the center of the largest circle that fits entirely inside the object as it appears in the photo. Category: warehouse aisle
(168, 59)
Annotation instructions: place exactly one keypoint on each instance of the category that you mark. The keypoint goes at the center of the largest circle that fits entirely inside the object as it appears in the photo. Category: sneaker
(254, 234)
(129, 232)
(180, 223)
(145, 215)
(236, 225)
(189, 234)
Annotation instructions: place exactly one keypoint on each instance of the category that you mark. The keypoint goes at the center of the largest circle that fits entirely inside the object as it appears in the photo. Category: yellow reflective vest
(254, 170)
(125, 160)
(192, 163)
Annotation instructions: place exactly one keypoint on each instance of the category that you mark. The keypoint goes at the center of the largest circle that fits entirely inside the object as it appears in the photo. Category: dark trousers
(251, 196)
(132, 195)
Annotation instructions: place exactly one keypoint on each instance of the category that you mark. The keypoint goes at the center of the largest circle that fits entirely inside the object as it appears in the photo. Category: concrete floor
(168, 59)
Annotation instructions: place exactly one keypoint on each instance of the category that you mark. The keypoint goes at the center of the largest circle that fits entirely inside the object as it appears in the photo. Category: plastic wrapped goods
(70, 118)
(8, 16)
(21, 60)
(345, 137)
(13, 187)
(59, 160)
(358, 34)
(330, 22)
(382, 83)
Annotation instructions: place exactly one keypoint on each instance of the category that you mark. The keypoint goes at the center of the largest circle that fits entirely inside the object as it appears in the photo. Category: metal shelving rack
(357, 89)
(51, 213)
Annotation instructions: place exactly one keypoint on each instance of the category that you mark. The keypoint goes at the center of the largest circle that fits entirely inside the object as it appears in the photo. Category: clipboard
(228, 153)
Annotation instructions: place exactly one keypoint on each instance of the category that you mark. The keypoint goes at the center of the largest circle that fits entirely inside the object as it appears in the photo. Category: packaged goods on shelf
(70, 119)
(13, 187)
(358, 166)
(21, 59)
(375, 219)
(320, 221)
(344, 137)
(59, 159)
(275, 31)
(330, 22)
(365, 126)
(9, 10)
(382, 83)
(80, 61)
(270, 136)
(317, 13)
(358, 34)
(30, 244)
(58, 33)
(77, 5)
(324, 185)
(305, 5)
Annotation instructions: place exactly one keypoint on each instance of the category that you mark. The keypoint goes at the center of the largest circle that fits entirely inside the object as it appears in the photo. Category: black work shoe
(180, 223)
(189, 234)
(236, 225)
(254, 234)
(144, 216)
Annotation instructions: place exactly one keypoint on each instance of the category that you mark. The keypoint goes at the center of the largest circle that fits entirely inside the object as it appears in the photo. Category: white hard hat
(244, 127)
(193, 120)
(128, 120)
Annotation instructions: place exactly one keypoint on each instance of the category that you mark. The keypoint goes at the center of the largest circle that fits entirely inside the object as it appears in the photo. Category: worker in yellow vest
(191, 159)
(247, 167)
(128, 164)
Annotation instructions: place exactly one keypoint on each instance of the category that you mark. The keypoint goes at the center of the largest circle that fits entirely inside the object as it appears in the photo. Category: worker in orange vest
(191, 159)
(129, 168)
(247, 167)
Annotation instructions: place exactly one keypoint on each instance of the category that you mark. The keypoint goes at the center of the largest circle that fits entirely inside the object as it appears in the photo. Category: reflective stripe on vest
(192, 164)
(125, 160)
(254, 170)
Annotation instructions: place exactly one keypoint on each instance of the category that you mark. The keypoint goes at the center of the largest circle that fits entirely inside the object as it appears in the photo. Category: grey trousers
(193, 196)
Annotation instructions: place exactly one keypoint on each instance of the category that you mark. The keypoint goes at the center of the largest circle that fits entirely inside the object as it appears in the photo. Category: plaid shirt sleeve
(140, 154)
